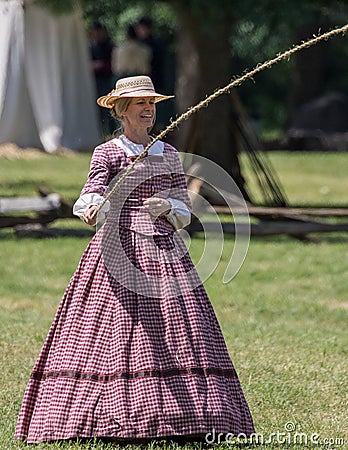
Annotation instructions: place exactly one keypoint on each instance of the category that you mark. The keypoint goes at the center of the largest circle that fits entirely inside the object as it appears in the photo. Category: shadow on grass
(172, 442)
(77, 231)
(314, 238)
(42, 232)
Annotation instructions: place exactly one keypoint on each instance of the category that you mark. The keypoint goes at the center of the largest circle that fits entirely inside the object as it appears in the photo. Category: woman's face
(140, 113)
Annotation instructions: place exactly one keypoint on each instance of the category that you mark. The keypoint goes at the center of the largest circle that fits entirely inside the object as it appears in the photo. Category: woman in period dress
(135, 350)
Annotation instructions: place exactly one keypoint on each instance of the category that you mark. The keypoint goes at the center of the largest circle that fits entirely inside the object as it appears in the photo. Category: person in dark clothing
(144, 30)
(101, 50)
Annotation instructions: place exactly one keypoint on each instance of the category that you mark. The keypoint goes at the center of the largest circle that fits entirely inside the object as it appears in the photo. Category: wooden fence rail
(47, 207)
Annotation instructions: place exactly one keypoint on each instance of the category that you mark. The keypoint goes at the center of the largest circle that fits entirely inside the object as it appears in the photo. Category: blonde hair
(119, 108)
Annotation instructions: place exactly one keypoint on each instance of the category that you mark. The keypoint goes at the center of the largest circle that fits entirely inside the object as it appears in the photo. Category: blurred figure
(101, 49)
(132, 57)
(144, 30)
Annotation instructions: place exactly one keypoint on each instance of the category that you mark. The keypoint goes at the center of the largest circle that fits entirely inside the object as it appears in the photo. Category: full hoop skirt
(120, 364)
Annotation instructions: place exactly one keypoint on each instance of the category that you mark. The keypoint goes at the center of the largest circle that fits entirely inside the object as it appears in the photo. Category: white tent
(47, 91)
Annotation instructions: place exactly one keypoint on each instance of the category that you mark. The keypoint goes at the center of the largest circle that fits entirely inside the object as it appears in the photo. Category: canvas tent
(47, 91)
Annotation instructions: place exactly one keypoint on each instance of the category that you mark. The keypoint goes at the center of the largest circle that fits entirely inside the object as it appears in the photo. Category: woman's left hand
(157, 206)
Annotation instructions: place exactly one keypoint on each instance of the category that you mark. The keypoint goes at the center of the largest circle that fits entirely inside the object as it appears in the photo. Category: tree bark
(203, 66)
(310, 67)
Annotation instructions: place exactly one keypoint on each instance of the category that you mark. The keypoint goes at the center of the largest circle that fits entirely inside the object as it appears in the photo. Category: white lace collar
(132, 149)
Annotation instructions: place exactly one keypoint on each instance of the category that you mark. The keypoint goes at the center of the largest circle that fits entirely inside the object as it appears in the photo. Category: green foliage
(266, 28)
(57, 6)
(117, 15)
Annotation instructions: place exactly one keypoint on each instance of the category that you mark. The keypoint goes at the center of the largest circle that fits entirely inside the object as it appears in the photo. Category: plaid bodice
(153, 176)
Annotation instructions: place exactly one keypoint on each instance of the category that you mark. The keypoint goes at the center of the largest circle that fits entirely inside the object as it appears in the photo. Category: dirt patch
(12, 151)
(12, 305)
(335, 304)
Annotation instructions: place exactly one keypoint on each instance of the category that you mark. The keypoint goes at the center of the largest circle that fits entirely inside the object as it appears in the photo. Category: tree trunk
(310, 67)
(203, 66)
(187, 74)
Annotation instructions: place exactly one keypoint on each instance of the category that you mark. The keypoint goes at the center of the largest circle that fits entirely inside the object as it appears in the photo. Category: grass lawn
(284, 316)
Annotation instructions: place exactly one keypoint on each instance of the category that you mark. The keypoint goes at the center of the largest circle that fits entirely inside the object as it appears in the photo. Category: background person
(145, 33)
(132, 57)
(101, 49)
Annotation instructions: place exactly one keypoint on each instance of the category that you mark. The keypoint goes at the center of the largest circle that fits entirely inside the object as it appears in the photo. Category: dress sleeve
(86, 200)
(180, 214)
(99, 171)
(96, 185)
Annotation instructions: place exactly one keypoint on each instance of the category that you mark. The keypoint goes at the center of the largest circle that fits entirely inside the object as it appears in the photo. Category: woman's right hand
(90, 216)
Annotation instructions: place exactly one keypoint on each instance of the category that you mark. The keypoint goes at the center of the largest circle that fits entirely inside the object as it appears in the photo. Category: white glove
(157, 206)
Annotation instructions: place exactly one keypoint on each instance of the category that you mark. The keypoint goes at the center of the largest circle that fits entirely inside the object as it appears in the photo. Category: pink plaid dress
(135, 349)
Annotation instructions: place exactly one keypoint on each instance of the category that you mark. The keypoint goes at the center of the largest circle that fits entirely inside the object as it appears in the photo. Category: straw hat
(140, 86)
